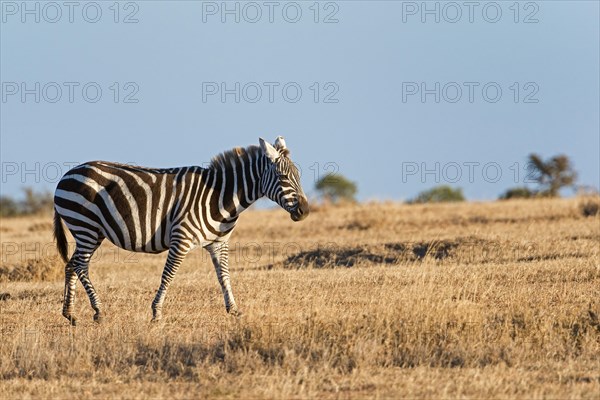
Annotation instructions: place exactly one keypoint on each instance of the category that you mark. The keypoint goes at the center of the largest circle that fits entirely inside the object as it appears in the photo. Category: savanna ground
(468, 300)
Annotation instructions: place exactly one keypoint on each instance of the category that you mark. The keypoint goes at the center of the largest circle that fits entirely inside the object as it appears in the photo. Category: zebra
(176, 209)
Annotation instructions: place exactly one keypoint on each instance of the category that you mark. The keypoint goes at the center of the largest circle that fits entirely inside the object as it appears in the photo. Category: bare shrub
(589, 206)
(44, 269)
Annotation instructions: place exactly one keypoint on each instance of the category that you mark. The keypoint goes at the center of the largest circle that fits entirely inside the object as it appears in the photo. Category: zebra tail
(61, 239)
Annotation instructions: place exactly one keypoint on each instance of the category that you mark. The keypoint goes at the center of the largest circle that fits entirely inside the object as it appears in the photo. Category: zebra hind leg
(79, 263)
(69, 296)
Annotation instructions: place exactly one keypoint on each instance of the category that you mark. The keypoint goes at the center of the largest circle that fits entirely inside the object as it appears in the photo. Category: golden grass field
(378, 300)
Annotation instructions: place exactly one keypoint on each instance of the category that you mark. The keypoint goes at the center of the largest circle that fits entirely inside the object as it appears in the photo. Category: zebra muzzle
(302, 211)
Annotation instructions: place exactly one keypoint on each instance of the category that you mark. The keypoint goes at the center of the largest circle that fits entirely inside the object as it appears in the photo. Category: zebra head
(281, 180)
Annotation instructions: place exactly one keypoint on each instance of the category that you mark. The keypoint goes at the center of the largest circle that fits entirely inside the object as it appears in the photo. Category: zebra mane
(233, 154)
(284, 152)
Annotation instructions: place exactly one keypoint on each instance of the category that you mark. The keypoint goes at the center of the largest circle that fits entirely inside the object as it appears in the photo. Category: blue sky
(376, 90)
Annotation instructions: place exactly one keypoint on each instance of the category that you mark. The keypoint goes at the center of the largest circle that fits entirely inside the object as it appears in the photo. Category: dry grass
(377, 300)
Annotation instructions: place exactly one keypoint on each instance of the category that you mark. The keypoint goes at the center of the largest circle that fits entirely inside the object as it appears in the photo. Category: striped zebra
(176, 209)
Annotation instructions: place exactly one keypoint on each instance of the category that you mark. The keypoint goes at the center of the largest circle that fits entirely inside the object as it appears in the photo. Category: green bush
(33, 203)
(517, 193)
(439, 194)
(8, 207)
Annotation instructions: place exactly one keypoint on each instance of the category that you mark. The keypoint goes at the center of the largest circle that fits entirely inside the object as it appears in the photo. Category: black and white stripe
(175, 209)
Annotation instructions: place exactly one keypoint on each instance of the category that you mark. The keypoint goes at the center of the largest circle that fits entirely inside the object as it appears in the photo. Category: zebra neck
(235, 183)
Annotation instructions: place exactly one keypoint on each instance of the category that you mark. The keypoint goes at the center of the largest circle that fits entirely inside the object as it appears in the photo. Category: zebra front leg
(177, 253)
(80, 262)
(219, 253)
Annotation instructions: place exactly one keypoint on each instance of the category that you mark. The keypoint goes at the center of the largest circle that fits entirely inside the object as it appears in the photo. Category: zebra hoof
(98, 318)
(72, 319)
(156, 316)
(235, 312)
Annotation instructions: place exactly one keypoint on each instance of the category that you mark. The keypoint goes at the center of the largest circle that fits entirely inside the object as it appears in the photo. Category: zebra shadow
(387, 254)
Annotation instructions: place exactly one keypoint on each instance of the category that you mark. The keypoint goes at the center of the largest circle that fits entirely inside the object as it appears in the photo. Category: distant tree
(552, 174)
(517, 193)
(336, 188)
(439, 194)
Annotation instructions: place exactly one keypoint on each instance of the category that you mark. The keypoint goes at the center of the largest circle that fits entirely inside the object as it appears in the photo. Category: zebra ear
(269, 150)
(280, 143)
